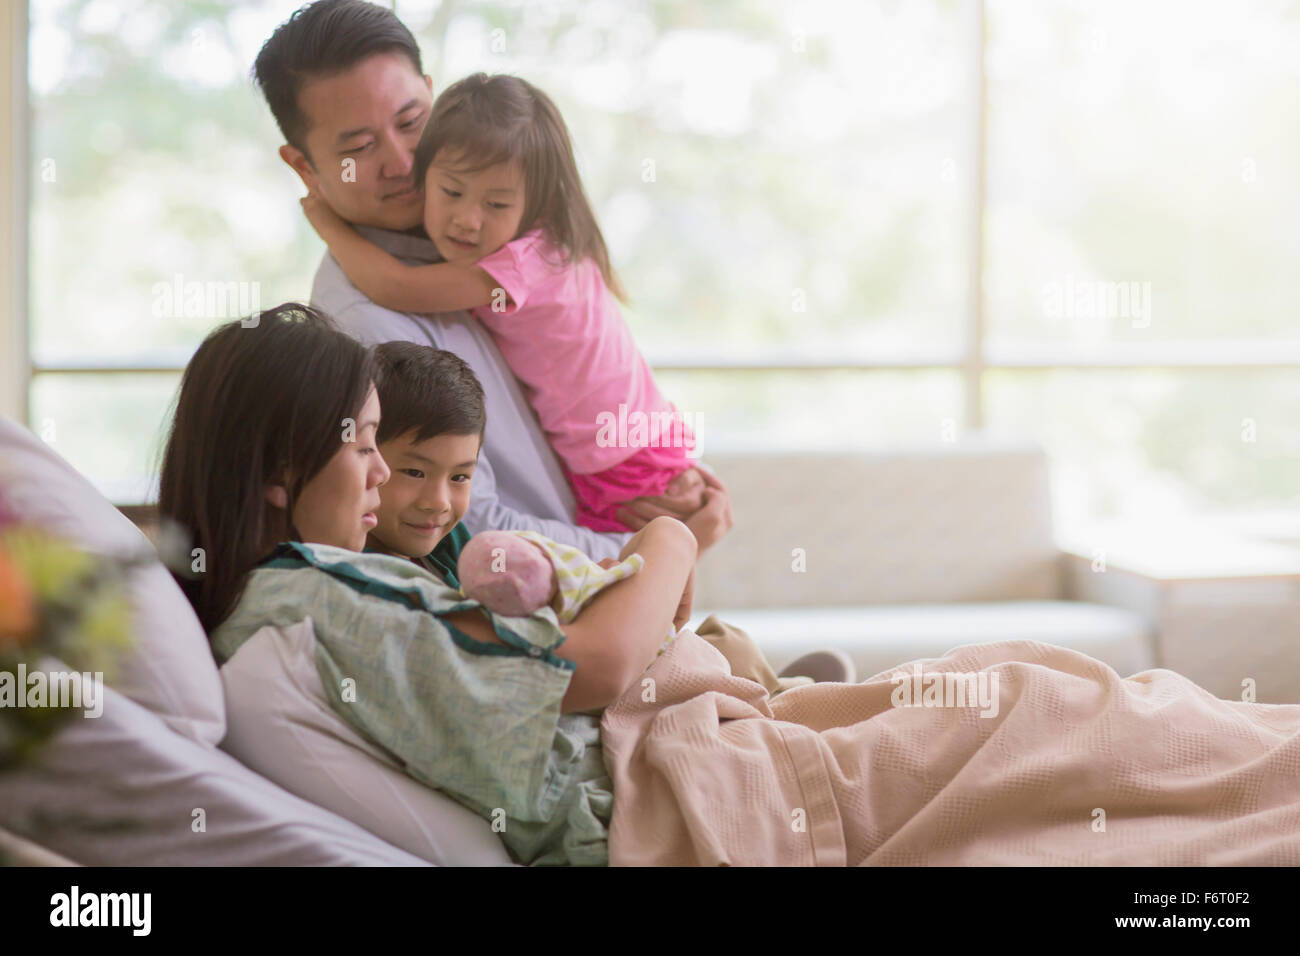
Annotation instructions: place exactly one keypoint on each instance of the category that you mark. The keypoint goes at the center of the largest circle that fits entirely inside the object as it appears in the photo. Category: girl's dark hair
(428, 391)
(263, 399)
(322, 39)
(484, 120)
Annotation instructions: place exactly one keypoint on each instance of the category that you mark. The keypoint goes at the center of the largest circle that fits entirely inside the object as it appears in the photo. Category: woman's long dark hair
(263, 399)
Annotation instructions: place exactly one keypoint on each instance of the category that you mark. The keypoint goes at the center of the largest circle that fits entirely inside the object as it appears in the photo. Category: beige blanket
(1061, 762)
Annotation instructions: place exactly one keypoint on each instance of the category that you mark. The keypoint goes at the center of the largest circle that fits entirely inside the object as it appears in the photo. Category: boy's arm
(386, 281)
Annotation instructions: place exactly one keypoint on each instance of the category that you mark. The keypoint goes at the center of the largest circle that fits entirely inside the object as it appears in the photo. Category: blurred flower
(56, 603)
(17, 607)
(53, 566)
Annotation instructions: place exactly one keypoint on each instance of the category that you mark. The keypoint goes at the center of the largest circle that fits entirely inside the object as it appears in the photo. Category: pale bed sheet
(713, 771)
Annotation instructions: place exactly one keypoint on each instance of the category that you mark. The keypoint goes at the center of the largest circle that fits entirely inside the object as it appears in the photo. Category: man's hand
(684, 494)
(695, 497)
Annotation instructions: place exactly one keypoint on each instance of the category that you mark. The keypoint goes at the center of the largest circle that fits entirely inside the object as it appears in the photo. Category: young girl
(523, 254)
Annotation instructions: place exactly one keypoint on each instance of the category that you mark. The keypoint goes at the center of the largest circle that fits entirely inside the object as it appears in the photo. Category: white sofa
(152, 781)
(900, 555)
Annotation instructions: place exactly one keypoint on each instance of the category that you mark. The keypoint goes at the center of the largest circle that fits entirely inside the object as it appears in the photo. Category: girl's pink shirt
(567, 342)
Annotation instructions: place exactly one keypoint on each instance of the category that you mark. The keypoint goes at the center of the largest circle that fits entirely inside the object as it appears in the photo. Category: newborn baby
(514, 573)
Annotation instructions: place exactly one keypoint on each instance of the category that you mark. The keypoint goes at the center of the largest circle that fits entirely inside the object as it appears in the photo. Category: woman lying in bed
(273, 444)
(272, 468)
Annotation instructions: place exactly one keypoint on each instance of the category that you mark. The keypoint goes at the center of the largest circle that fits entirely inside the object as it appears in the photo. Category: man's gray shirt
(518, 483)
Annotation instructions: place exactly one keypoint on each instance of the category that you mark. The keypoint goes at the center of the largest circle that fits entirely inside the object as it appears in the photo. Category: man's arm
(488, 513)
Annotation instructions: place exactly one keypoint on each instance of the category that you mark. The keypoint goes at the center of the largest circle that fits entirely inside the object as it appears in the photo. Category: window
(840, 223)
(1140, 252)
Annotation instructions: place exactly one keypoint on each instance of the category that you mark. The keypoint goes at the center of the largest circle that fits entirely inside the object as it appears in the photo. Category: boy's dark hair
(321, 39)
(426, 390)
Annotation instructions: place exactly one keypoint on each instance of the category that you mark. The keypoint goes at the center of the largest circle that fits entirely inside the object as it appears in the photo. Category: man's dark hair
(322, 39)
(426, 390)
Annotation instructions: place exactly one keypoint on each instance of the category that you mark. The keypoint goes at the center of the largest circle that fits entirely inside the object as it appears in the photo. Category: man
(345, 83)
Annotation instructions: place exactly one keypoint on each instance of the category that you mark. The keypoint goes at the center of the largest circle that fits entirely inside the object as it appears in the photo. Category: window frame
(15, 124)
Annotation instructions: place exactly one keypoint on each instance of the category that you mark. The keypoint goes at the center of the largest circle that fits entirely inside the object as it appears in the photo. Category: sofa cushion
(963, 522)
(170, 669)
(122, 789)
(281, 725)
(880, 637)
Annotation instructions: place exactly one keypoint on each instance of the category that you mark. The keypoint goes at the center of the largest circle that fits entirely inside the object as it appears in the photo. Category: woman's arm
(619, 632)
(386, 281)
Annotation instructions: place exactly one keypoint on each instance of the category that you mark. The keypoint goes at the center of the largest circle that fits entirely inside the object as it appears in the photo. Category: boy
(431, 425)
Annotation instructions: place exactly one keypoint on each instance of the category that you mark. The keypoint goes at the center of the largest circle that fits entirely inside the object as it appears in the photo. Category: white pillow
(280, 724)
(170, 670)
(121, 789)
